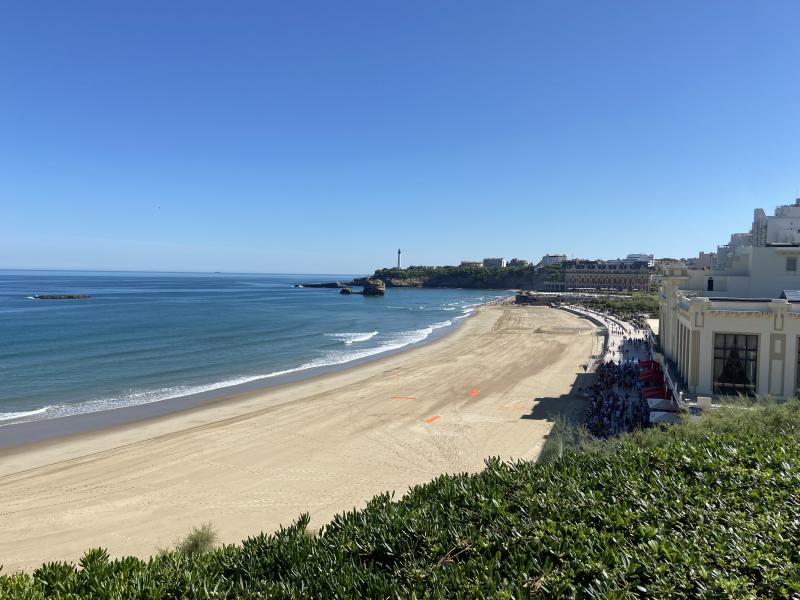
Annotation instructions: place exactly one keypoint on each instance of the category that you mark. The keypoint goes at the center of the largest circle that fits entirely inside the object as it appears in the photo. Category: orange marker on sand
(430, 420)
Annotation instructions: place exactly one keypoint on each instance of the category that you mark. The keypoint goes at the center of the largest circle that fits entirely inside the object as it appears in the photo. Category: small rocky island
(61, 296)
(374, 287)
(370, 287)
(335, 284)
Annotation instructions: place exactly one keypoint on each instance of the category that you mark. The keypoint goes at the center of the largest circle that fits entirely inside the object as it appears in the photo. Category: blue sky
(320, 136)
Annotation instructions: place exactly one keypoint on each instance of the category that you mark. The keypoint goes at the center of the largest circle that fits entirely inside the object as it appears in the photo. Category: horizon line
(165, 272)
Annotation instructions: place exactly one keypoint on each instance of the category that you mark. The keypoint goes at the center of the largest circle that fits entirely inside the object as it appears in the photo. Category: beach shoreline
(256, 460)
(17, 434)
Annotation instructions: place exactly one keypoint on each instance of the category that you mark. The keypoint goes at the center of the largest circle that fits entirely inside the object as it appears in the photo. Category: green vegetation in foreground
(708, 509)
(201, 539)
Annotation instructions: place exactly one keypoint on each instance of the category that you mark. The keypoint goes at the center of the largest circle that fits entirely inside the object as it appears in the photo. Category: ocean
(148, 337)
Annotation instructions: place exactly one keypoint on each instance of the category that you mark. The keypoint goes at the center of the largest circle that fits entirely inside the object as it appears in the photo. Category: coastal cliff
(478, 278)
(466, 277)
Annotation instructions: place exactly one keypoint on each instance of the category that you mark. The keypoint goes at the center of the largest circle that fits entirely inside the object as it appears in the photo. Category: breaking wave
(139, 397)
(352, 338)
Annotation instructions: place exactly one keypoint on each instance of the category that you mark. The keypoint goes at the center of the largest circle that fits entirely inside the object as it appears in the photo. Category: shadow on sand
(566, 412)
(568, 407)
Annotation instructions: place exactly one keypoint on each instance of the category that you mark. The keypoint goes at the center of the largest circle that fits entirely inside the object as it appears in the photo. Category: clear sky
(321, 136)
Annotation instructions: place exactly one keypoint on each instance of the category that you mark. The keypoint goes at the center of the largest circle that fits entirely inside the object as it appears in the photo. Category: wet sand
(257, 460)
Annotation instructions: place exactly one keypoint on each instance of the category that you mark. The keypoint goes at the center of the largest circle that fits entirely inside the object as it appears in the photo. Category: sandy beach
(251, 462)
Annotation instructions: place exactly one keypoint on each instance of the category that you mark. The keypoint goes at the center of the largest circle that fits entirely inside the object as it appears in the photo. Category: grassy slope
(708, 509)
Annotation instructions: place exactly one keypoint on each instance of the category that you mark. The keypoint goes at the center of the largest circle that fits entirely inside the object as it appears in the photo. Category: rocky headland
(505, 278)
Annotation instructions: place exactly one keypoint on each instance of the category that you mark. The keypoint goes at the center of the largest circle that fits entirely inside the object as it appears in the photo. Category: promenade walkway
(615, 401)
(621, 346)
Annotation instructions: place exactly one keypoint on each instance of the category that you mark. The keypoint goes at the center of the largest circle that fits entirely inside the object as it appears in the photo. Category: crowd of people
(616, 404)
(615, 401)
(634, 347)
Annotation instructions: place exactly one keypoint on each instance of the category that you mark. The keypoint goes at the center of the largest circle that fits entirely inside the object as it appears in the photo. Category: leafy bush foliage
(700, 510)
(201, 539)
(624, 306)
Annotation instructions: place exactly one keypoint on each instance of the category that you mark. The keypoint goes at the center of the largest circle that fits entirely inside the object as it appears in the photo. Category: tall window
(791, 263)
(735, 363)
(797, 371)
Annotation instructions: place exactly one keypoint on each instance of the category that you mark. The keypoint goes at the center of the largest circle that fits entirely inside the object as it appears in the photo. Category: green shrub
(627, 307)
(200, 539)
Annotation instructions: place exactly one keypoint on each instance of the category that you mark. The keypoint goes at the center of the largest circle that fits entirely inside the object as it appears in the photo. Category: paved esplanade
(620, 335)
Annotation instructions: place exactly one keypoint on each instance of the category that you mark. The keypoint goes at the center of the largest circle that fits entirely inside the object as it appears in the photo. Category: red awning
(650, 373)
(656, 392)
(652, 388)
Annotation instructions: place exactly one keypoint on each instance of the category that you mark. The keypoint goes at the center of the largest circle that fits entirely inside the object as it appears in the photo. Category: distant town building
(667, 262)
(607, 275)
(518, 262)
(704, 260)
(648, 258)
(726, 255)
(552, 259)
(471, 263)
(782, 228)
(494, 262)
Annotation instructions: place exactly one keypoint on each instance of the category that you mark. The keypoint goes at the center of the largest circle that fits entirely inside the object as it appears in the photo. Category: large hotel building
(736, 329)
(598, 275)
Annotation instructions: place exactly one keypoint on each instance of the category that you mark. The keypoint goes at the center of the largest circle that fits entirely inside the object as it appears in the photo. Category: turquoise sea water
(145, 337)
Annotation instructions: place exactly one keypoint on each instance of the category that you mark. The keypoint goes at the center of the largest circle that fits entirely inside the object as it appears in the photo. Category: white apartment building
(736, 329)
(783, 228)
(494, 262)
(704, 260)
(727, 254)
(650, 259)
(552, 259)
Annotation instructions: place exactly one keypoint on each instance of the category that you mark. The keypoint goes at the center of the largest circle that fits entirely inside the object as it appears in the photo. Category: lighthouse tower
(398, 259)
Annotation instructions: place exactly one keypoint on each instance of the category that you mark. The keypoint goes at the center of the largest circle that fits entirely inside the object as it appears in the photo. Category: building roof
(791, 295)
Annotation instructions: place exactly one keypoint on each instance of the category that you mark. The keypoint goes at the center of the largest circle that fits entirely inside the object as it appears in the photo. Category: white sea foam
(12, 416)
(139, 397)
(465, 312)
(352, 338)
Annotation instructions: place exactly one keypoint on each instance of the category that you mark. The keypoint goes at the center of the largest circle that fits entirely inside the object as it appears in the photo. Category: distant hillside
(468, 277)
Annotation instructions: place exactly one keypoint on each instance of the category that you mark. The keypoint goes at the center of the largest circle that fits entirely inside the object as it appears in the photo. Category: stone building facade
(599, 275)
